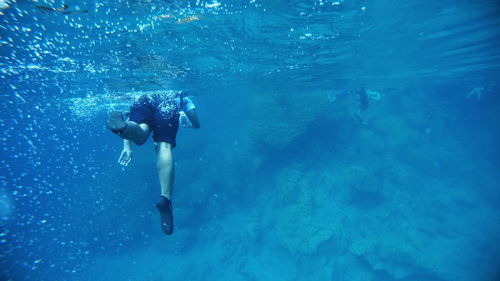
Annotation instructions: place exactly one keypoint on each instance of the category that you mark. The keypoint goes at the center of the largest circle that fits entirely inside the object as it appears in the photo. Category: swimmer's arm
(193, 117)
(126, 155)
(126, 145)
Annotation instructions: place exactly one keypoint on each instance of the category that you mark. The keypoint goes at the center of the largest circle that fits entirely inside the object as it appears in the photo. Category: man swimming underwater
(161, 113)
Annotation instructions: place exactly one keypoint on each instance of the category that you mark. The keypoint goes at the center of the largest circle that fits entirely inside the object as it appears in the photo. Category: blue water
(289, 177)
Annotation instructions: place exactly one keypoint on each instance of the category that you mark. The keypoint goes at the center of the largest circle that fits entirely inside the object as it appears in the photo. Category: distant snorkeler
(363, 99)
(364, 96)
(62, 9)
(161, 113)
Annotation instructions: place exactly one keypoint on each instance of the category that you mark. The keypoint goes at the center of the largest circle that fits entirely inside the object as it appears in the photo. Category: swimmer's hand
(125, 157)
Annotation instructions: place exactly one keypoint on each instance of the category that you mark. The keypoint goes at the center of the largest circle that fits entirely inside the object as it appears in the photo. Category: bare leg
(165, 166)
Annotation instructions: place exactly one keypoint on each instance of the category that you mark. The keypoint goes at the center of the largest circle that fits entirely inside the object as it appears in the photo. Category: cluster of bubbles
(106, 40)
(5, 206)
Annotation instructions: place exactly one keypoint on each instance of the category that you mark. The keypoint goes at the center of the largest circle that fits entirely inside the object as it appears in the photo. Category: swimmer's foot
(116, 123)
(167, 220)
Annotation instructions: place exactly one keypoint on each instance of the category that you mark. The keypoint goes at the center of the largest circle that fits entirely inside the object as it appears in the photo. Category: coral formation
(278, 119)
(301, 230)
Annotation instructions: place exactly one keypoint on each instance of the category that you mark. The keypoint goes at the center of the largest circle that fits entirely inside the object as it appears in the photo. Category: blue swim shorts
(160, 111)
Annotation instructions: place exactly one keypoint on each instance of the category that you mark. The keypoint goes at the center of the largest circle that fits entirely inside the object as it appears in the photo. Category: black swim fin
(116, 123)
(126, 129)
(167, 220)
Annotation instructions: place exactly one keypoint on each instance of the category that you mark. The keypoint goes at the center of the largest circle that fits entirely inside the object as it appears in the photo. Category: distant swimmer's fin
(189, 19)
(63, 9)
(167, 220)
(363, 100)
(46, 8)
(75, 11)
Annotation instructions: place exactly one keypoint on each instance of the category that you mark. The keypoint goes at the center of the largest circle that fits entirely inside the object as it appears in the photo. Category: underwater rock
(252, 230)
(358, 186)
(290, 183)
(269, 265)
(369, 144)
(408, 252)
(279, 119)
(301, 231)
(389, 252)
(231, 178)
(351, 268)
(395, 131)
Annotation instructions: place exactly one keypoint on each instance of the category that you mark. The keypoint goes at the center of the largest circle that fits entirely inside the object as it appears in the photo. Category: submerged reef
(382, 199)
(301, 230)
(278, 119)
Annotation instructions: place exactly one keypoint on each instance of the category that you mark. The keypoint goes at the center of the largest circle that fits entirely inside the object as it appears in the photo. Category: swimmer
(161, 113)
(62, 9)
